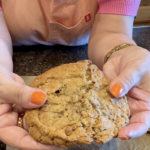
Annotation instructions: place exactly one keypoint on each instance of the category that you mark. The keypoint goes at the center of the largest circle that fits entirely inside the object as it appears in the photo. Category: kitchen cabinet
(143, 16)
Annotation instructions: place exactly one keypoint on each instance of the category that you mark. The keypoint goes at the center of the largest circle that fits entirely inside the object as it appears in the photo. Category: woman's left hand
(129, 71)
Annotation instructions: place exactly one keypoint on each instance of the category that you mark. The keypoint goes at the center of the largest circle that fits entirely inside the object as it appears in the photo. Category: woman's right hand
(14, 91)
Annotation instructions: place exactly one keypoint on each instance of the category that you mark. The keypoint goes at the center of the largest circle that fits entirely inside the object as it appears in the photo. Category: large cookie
(79, 108)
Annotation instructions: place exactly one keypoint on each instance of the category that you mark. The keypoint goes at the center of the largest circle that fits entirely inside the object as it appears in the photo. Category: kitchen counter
(34, 60)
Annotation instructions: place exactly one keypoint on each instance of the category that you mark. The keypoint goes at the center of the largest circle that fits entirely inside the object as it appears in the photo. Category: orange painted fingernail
(38, 98)
(123, 138)
(116, 90)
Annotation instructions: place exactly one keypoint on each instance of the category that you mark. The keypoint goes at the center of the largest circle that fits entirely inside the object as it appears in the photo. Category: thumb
(128, 78)
(22, 95)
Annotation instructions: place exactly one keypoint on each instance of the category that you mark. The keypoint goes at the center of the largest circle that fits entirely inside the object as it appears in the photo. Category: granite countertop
(34, 60)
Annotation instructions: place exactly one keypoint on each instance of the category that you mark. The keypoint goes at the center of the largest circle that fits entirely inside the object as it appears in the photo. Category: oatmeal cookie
(79, 108)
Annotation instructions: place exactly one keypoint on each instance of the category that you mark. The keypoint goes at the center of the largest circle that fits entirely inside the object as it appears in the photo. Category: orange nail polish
(38, 98)
(116, 90)
(123, 138)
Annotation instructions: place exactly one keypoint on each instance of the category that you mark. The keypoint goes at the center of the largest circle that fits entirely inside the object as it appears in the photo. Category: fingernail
(116, 90)
(38, 98)
(123, 137)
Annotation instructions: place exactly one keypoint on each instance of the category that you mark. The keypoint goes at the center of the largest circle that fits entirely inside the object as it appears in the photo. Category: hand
(14, 91)
(129, 71)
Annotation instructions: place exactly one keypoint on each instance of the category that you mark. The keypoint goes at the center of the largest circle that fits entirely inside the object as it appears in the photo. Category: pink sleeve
(120, 7)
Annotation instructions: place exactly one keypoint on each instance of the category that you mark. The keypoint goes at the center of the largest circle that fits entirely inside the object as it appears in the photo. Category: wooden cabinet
(143, 16)
(145, 2)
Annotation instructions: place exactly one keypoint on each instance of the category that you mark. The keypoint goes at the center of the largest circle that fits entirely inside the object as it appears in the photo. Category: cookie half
(79, 108)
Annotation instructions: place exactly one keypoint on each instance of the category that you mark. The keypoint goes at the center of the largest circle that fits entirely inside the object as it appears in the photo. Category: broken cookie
(79, 108)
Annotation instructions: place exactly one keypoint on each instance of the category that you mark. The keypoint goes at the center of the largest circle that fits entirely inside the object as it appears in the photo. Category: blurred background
(143, 16)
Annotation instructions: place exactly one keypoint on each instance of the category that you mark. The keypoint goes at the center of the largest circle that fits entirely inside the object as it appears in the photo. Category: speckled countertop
(34, 60)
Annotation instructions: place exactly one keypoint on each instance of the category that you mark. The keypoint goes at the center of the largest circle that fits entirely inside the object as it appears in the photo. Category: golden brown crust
(79, 108)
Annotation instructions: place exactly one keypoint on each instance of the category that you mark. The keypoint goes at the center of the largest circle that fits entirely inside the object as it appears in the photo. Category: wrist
(130, 53)
(115, 49)
(109, 31)
(99, 48)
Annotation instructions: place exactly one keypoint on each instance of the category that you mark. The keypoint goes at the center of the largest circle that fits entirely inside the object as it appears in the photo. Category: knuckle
(3, 92)
(140, 71)
(129, 80)
(141, 67)
(19, 94)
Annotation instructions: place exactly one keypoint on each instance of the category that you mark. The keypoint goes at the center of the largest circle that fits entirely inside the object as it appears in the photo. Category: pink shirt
(120, 7)
(61, 22)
